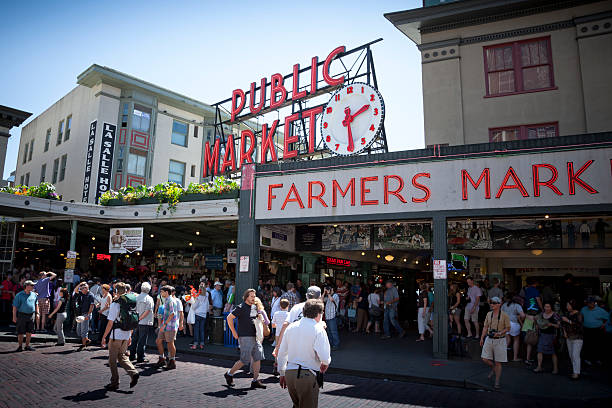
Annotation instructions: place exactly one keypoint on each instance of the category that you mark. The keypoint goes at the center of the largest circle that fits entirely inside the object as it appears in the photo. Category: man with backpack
(122, 319)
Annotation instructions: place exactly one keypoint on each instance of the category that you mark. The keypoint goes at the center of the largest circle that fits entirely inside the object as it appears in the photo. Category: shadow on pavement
(94, 395)
(228, 391)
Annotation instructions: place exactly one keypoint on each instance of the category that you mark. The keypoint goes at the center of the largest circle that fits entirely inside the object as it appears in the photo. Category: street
(59, 376)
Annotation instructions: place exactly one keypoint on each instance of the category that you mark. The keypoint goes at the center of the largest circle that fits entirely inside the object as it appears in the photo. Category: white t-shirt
(373, 300)
(278, 319)
(113, 314)
(296, 313)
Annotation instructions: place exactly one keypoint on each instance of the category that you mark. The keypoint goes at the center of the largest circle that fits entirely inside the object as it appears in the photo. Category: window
(25, 153)
(55, 170)
(208, 136)
(195, 132)
(60, 132)
(31, 149)
(47, 139)
(521, 66)
(137, 163)
(176, 173)
(124, 115)
(538, 131)
(141, 118)
(62, 172)
(193, 170)
(68, 126)
(43, 172)
(21, 180)
(27, 179)
(179, 133)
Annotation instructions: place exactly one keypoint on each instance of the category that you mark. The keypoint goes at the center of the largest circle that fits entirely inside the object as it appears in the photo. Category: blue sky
(203, 49)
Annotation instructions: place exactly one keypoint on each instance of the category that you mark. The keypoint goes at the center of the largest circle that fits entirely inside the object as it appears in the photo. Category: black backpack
(128, 317)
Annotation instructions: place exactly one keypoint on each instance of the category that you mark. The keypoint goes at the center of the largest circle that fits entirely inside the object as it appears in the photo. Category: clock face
(352, 119)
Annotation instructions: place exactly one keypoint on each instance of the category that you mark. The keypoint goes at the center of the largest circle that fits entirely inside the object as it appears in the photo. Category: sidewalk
(407, 360)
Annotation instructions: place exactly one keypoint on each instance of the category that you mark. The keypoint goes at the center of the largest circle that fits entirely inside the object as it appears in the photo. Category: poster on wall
(213, 262)
(105, 168)
(526, 234)
(232, 255)
(91, 144)
(587, 233)
(469, 234)
(308, 238)
(281, 237)
(346, 238)
(402, 236)
(125, 240)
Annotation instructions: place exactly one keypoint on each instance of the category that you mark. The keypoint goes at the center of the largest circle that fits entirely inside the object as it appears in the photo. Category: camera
(492, 334)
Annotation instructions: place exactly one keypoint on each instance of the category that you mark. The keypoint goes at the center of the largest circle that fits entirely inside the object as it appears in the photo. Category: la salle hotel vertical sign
(91, 144)
(106, 159)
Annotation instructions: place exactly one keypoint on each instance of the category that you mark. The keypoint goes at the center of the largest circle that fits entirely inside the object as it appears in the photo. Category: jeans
(83, 329)
(199, 330)
(391, 319)
(139, 341)
(574, 347)
(59, 327)
(332, 330)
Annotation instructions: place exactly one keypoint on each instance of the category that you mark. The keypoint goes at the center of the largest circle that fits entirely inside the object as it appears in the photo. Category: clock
(352, 119)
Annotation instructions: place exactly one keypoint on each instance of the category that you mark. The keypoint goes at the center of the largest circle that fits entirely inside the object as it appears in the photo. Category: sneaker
(171, 365)
(229, 379)
(28, 348)
(142, 360)
(112, 387)
(134, 381)
(19, 349)
(257, 384)
(161, 362)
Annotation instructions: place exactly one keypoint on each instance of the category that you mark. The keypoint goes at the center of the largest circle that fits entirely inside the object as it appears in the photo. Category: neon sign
(338, 261)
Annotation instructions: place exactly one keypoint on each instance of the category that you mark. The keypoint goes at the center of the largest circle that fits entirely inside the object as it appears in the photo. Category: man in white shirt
(304, 354)
(118, 345)
(144, 308)
(295, 314)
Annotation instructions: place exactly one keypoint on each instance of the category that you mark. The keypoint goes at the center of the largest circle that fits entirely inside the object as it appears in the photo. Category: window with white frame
(179, 133)
(176, 172)
(141, 118)
(137, 163)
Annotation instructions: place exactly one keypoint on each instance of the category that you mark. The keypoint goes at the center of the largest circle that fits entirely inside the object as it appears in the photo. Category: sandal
(538, 370)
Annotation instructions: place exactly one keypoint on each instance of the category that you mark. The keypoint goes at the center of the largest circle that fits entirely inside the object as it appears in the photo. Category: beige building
(506, 70)
(159, 136)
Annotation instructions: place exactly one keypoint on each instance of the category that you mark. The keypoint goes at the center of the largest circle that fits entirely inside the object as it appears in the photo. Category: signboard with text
(105, 167)
(91, 145)
(125, 240)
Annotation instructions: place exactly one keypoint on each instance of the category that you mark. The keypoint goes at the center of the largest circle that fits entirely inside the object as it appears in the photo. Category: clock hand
(360, 111)
(347, 122)
(350, 146)
(347, 117)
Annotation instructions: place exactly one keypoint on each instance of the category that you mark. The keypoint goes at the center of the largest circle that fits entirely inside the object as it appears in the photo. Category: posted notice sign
(244, 263)
(125, 240)
(439, 269)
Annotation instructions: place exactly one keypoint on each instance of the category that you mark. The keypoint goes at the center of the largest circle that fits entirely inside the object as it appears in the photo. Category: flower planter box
(147, 200)
(211, 196)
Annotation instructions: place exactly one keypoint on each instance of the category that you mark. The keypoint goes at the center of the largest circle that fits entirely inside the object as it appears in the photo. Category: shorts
(25, 323)
(495, 349)
(44, 305)
(167, 336)
(249, 347)
(83, 329)
(515, 329)
(471, 316)
(456, 312)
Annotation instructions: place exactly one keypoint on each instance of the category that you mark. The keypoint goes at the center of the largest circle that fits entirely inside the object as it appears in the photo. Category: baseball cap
(313, 292)
(28, 283)
(495, 299)
(218, 283)
(591, 299)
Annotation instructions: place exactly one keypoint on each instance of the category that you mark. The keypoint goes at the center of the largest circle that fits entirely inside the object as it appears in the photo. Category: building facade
(159, 136)
(508, 70)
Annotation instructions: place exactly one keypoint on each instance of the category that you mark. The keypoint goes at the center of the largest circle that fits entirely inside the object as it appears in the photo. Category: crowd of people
(534, 321)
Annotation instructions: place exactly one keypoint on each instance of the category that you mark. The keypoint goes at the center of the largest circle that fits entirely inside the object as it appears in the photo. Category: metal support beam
(440, 314)
(248, 236)
(73, 237)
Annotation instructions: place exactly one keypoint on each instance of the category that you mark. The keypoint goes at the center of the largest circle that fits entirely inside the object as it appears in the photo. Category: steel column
(440, 314)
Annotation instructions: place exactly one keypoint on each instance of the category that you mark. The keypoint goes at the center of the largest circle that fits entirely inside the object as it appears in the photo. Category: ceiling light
(197, 232)
(191, 244)
(378, 255)
(41, 227)
(127, 255)
(463, 274)
(152, 236)
(232, 241)
(547, 216)
(137, 253)
(335, 225)
(93, 238)
(93, 247)
(405, 260)
(22, 225)
(416, 262)
(537, 252)
(389, 258)
(363, 253)
(399, 223)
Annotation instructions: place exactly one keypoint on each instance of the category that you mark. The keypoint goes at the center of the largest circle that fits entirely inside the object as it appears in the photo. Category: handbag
(191, 316)
(531, 337)
(375, 310)
(352, 313)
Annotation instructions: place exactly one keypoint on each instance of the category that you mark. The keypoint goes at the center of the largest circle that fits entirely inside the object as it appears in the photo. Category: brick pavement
(59, 376)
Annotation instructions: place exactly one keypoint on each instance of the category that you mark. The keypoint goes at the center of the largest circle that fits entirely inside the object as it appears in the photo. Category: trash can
(216, 330)
(228, 338)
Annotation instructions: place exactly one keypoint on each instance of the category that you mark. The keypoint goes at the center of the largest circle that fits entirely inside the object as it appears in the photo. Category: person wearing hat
(296, 313)
(493, 339)
(594, 321)
(24, 309)
(217, 299)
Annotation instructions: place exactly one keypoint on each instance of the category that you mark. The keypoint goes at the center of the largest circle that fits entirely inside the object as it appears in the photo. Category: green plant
(44, 190)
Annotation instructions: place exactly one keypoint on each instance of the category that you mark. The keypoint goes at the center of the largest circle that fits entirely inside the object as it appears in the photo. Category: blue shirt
(25, 303)
(217, 298)
(595, 318)
(43, 288)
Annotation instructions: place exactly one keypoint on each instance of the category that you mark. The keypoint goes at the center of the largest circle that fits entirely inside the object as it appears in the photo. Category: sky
(202, 49)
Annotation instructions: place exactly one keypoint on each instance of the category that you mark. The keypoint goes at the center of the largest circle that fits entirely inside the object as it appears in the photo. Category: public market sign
(578, 177)
(351, 121)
